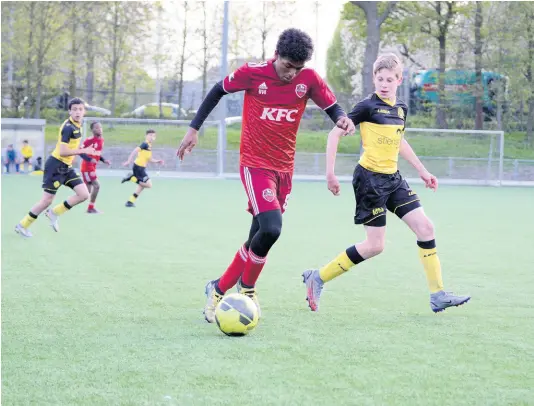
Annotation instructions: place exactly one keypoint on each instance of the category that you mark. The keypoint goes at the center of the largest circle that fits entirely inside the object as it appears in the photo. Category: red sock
(234, 270)
(253, 269)
(91, 206)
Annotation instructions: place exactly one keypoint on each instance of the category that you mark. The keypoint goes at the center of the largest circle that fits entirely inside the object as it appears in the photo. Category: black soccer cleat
(127, 178)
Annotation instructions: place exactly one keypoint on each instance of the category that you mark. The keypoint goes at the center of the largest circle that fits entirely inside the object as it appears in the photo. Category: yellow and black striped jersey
(144, 156)
(70, 133)
(382, 124)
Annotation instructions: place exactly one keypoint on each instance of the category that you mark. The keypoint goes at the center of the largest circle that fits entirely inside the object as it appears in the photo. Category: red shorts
(89, 177)
(266, 189)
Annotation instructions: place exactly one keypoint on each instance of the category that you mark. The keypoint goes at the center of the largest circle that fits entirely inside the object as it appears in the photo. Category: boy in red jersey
(88, 167)
(276, 93)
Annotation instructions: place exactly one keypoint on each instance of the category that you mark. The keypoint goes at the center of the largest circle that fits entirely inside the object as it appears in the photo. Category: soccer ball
(236, 314)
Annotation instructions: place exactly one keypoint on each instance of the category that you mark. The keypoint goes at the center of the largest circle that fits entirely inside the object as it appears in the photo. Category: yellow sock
(336, 267)
(430, 260)
(62, 208)
(133, 198)
(133, 179)
(28, 220)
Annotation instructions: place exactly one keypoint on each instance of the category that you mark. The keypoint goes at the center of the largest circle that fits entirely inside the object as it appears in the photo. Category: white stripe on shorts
(250, 191)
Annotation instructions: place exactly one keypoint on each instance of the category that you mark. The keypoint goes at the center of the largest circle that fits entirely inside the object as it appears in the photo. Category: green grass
(108, 311)
(315, 141)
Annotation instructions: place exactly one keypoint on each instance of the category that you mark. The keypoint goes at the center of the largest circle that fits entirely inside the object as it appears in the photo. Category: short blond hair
(388, 61)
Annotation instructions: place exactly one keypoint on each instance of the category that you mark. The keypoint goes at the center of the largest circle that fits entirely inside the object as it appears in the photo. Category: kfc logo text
(274, 114)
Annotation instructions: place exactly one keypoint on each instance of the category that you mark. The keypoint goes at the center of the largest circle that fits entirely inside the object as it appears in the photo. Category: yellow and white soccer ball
(236, 314)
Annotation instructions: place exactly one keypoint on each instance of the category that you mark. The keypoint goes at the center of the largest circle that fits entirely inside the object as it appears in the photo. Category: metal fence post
(501, 157)
(451, 166)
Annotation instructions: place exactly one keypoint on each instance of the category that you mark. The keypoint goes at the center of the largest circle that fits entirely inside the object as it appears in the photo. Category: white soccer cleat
(23, 231)
(54, 219)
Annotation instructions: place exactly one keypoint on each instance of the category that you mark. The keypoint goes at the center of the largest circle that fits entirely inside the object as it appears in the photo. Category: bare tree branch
(406, 53)
(385, 14)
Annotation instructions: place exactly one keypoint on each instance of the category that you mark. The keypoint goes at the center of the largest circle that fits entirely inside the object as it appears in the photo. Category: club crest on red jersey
(300, 90)
(268, 195)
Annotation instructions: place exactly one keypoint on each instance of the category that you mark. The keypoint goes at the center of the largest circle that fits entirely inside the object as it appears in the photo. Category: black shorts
(377, 192)
(57, 173)
(27, 160)
(140, 173)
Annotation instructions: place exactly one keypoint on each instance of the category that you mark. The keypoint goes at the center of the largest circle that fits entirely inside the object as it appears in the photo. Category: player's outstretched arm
(340, 119)
(131, 157)
(206, 107)
(64, 151)
(331, 152)
(408, 153)
(157, 161)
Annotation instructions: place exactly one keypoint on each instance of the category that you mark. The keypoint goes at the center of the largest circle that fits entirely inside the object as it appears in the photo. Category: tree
(340, 67)
(182, 58)
(374, 20)
(239, 41)
(528, 68)
(48, 24)
(478, 67)
(205, 55)
(29, 60)
(124, 31)
(271, 14)
(437, 19)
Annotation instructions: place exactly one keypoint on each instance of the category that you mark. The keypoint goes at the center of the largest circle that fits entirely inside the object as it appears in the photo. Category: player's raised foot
(94, 210)
(314, 287)
(439, 301)
(23, 231)
(127, 177)
(129, 204)
(213, 299)
(54, 219)
(250, 292)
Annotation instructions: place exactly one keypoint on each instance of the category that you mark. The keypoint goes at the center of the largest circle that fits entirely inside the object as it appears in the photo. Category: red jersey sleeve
(86, 143)
(320, 93)
(238, 80)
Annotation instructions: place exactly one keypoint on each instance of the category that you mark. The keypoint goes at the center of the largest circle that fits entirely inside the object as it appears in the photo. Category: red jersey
(272, 111)
(98, 144)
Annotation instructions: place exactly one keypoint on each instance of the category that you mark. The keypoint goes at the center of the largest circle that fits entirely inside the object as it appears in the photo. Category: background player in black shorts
(379, 187)
(138, 174)
(58, 171)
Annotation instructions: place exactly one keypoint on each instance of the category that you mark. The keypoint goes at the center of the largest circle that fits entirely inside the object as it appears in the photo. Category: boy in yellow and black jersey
(138, 174)
(379, 187)
(58, 171)
(27, 154)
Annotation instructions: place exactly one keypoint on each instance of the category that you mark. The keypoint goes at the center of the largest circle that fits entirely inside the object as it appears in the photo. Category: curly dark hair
(93, 124)
(295, 45)
(74, 101)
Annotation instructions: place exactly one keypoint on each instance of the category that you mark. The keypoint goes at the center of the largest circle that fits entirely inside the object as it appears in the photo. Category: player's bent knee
(82, 193)
(376, 247)
(47, 199)
(271, 233)
(425, 230)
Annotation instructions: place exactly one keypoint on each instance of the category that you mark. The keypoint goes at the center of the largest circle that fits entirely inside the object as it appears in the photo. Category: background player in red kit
(89, 162)
(276, 93)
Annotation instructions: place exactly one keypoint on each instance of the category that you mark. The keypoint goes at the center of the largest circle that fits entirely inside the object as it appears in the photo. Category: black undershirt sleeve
(207, 105)
(335, 112)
